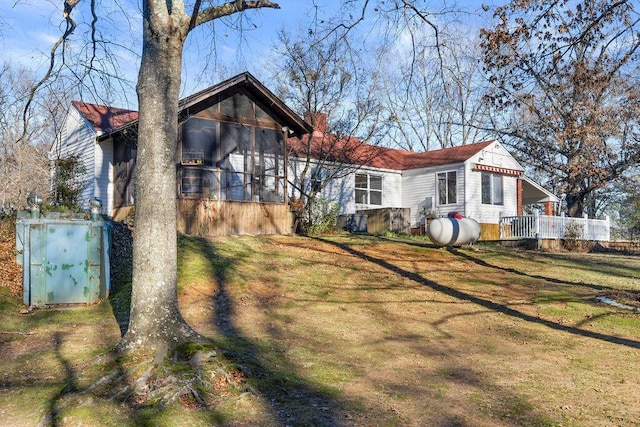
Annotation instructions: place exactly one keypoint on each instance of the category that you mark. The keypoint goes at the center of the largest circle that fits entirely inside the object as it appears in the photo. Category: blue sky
(28, 29)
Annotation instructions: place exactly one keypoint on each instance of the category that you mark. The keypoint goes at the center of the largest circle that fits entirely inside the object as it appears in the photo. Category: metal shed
(65, 261)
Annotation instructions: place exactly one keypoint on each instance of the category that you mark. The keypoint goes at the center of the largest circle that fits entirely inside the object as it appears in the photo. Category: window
(447, 188)
(200, 181)
(368, 189)
(492, 193)
(235, 161)
(269, 164)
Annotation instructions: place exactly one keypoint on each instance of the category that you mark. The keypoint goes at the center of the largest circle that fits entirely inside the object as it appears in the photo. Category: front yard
(345, 330)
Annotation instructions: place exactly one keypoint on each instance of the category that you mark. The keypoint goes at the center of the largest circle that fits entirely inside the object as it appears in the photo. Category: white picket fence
(554, 227)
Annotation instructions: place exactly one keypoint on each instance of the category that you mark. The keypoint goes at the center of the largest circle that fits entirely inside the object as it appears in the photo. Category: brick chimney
(317, 120)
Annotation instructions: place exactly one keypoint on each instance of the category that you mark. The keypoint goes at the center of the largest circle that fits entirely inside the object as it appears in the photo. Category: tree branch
(215, 12)
(71, 26)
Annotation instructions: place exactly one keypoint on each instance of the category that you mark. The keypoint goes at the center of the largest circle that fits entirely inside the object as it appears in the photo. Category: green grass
(354, 330)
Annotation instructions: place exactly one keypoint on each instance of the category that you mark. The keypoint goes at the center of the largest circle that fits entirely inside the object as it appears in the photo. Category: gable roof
(249, 84)
(105, 119)
(324, 146)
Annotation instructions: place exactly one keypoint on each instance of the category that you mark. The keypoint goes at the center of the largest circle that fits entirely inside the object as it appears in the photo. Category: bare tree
(23, 155)
(155, 318)
(565, 90)
(435, 102)
(324, 78)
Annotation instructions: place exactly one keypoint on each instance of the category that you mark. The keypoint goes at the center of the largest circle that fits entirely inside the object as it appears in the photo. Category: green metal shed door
(65, 263)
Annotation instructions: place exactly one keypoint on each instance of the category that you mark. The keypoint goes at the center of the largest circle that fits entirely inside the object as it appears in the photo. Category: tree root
(194, 376)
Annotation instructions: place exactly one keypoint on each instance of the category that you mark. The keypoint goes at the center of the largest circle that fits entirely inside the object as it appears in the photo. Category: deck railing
(554, 227)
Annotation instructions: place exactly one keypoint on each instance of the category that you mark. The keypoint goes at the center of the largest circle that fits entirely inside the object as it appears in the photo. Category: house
(231, 162)
(240, 152)
(481, 181)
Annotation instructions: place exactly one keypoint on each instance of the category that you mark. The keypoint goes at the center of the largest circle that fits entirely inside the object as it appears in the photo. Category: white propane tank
(453, 231)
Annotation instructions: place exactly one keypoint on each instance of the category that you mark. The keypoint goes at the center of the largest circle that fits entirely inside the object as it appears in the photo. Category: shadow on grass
(72, 395)
(486, 264)
(292, 400)
(501, 308)
(121, 269)
(70, 382)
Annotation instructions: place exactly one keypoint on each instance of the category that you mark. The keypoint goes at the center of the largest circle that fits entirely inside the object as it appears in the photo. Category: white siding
(103, 181)
(419, 184)
(342, 190)
(494, 155)
(78, 138)
(410, 188)
(490, 214)
(391, 189)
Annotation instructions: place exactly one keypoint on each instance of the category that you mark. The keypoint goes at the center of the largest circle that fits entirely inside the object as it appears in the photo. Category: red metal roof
(444, 156)
(352, 150)
(103, 118)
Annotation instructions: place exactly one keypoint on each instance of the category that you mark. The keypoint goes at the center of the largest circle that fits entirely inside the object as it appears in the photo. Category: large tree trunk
(155, 320)
(575, 202)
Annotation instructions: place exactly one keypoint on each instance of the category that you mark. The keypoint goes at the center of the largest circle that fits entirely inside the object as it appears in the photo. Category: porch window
(269, 165)
(492, 189)
(447, 188)
(199, 142)
(232, 161)
(201, 182)
(369, 189)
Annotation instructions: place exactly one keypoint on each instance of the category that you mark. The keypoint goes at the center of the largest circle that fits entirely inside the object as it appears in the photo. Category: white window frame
(367, 191)
(447, 190)
(495, 188)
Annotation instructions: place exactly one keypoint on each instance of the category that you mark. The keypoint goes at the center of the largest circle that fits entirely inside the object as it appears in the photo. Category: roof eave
(547, 195)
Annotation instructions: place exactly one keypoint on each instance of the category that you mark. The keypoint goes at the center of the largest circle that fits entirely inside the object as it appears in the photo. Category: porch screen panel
(199, 182)
(269, 174)
(191, 181)
(235, 161)
(199, 142)
(238, 106)
(124, 161)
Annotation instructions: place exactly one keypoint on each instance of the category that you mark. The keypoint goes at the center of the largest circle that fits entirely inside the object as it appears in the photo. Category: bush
(573, 240)
(323, 217)
(68, 183)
